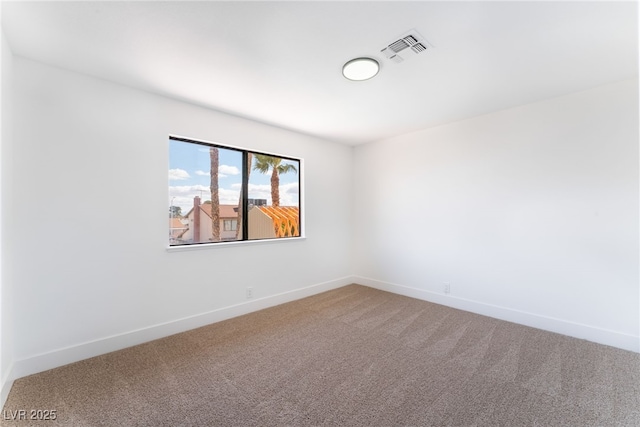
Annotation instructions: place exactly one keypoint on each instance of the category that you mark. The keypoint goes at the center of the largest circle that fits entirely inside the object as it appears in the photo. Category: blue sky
(189, 166)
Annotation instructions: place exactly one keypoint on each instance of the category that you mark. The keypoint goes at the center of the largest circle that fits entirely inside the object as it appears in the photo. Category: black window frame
(245, 193)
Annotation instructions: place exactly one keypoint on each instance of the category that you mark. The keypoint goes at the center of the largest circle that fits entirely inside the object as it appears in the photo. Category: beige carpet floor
(354, 356)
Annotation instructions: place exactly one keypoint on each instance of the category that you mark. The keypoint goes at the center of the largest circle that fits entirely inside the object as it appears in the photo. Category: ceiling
(280, 62)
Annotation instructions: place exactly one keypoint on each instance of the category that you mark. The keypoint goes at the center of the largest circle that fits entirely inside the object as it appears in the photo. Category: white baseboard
(64, 356)
(5, 386)
(576, 330)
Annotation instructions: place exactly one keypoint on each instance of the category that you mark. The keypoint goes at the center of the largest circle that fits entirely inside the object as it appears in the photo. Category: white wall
(531, 214)
(90, 200)
(6, 282)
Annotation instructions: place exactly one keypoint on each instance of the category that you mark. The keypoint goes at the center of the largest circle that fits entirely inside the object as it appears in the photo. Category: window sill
(201, 246)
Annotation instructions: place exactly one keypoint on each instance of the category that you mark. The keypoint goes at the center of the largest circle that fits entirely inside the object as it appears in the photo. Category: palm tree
(215, 200)
(264, 163)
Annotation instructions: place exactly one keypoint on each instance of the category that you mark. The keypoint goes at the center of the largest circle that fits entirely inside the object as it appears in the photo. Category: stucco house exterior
(199, 226)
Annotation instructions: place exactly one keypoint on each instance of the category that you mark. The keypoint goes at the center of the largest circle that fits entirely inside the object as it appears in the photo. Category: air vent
(399, 45)
(410, 40)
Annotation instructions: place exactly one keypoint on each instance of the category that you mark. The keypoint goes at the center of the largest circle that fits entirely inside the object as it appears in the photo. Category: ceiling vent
(405, 47)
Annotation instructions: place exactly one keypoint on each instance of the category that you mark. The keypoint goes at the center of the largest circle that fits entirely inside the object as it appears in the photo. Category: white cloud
(289, 193)
(182, 195)
(223, 171)
(228, 197)
(203, 173)
(178, 174)
(260, 191)
(259, 188)
(229, 170)
(291, 188)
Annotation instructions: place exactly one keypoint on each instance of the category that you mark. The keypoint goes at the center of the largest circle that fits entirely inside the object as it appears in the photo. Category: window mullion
(245, 195)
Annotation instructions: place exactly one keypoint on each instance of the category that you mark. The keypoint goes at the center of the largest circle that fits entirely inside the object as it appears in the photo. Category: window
(220, 194)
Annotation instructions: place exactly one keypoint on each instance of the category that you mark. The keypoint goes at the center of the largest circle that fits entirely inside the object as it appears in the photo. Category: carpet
(353, 356)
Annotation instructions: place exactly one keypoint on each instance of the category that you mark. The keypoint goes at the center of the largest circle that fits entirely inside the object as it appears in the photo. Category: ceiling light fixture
(360, 69)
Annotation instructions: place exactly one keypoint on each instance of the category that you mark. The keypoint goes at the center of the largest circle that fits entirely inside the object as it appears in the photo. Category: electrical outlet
(447, 287)
(249, 292)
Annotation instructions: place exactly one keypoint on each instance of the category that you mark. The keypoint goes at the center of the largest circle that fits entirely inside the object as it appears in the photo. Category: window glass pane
(202, 209)
(219, 193)
(274, 197)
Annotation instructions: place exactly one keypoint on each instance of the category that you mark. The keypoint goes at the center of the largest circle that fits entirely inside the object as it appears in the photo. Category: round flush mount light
(360, 69)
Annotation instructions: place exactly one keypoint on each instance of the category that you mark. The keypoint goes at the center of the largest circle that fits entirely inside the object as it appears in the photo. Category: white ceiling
(280, 62)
